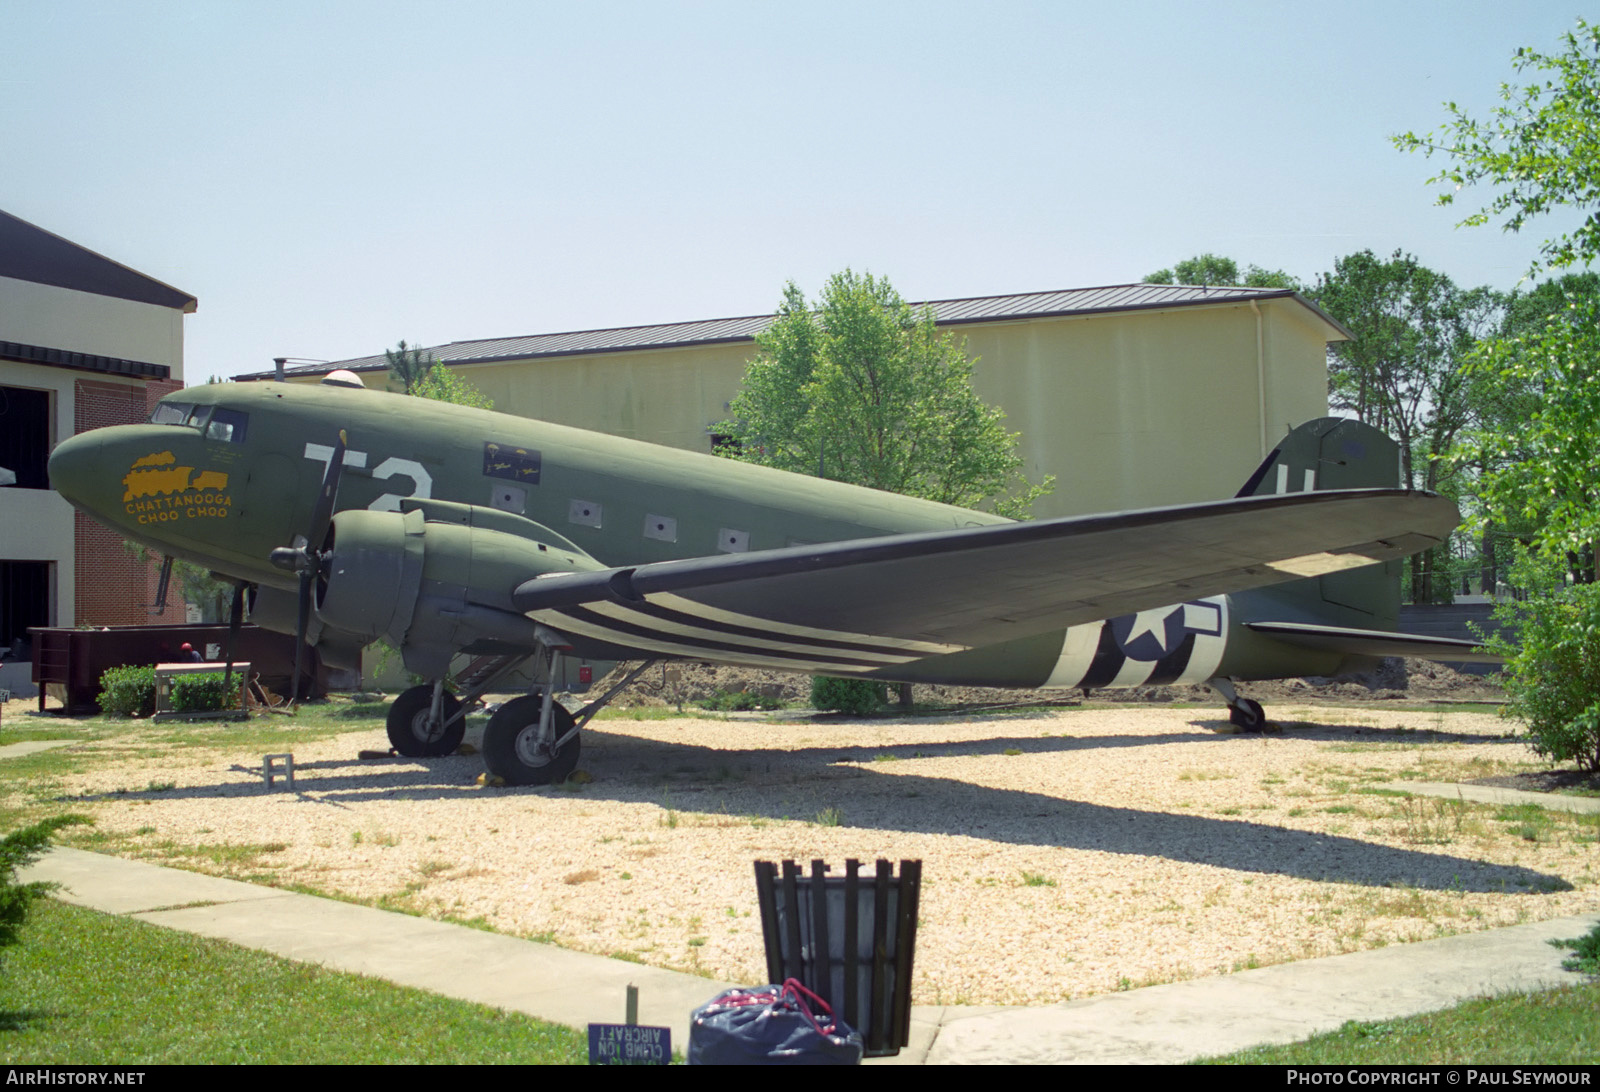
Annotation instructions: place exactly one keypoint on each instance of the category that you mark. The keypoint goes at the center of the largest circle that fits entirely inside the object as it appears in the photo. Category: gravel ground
(1066, 853)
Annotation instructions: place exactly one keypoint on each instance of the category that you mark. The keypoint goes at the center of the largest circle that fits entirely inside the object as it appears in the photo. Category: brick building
(84, 342)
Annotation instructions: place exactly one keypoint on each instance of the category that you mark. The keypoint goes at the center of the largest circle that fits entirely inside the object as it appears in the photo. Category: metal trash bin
(853, 946)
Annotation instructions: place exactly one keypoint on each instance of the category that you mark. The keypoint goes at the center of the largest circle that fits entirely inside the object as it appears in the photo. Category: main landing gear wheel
(1248, 715)
(412, 729)
(511, 747)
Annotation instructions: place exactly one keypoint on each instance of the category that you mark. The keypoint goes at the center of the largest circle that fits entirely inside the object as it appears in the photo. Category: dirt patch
(1394, 680)
(1065, 852)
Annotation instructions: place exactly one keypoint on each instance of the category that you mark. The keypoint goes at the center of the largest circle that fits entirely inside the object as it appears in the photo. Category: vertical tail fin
(1333, 453)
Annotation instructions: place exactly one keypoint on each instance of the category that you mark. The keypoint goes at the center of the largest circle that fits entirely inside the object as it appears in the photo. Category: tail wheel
(413, 731)
(512, 750)
(1248, 715)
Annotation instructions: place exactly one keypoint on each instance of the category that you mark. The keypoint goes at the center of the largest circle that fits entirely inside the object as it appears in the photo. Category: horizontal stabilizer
(1374, 642)
(972, 586)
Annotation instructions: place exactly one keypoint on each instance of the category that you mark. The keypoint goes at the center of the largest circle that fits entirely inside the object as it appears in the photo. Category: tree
(409, 364)
(1538, 469)
(1540, 148)
(425, 376)
(17, 850)
(1215, 270)
(1509, 390)
(443, 385)
(867, 390)
(1401, 371)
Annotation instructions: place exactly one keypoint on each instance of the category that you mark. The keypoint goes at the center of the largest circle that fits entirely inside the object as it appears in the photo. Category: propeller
(307, 557)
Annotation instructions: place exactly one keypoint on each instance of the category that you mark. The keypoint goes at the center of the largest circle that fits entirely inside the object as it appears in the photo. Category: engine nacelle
(437, 578)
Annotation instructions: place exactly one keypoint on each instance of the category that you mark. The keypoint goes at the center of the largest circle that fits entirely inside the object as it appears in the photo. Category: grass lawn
(89, 988)
(1556, 1027)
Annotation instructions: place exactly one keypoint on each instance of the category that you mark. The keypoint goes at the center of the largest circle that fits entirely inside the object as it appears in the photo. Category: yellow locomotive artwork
(155, 490)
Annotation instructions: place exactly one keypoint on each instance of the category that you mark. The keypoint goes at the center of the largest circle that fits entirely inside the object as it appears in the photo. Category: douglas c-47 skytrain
(354, 515)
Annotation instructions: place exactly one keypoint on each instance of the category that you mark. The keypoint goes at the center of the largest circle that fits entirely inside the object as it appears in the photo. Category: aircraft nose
(78, 467)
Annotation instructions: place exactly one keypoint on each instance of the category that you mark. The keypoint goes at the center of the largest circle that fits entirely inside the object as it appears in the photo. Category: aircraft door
(266, 510)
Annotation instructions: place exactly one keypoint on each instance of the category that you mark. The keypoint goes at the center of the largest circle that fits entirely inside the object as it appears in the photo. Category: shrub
(1586, 952)
(128, 691)
(739, 701)
(1553, 671)
(857, 696)
(17, 849)
(205, 692)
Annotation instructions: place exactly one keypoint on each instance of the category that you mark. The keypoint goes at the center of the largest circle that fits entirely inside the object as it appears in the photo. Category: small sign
(519, 464)
(629, 1044)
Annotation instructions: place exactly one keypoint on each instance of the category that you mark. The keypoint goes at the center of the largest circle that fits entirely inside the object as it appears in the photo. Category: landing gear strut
(1245, 713)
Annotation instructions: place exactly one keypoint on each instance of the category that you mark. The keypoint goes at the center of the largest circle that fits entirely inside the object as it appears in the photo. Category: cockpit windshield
(170, 413)
(216, 422)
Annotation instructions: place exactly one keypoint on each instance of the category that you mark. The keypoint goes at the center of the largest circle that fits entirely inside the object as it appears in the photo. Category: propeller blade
(305, 556)
(322, 514)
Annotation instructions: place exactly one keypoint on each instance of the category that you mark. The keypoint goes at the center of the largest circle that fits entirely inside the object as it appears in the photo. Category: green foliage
(866, 390)
(1401, 372)
(1537, 463)
(1586, 952)
(1216, 270)
(739, 701)
(204, 692)
(1539, 149)
(855, 696)
(17, 850)
(128, 691)
(1553, 670)
(424, 375)
(408, 365)
(443, 385)
(195, 583)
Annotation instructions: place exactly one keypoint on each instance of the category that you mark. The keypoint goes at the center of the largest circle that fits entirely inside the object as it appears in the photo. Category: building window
(25, 436)
(24, 601)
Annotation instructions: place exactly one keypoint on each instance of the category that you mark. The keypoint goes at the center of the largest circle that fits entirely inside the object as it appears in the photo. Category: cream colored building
(84, 342)
(1132, 395)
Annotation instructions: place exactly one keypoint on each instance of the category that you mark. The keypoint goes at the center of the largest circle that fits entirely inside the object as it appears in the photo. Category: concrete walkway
(33, 747)
(1489, 794)
(1171, 1023)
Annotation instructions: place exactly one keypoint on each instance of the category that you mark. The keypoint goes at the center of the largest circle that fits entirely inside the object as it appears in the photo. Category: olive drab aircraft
(354, 515)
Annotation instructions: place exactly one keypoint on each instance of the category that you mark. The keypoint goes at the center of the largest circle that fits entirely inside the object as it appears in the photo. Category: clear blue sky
(331, 177)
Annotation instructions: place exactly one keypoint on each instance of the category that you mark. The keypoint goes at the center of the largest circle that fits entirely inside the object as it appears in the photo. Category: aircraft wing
(1371, 642)
(865, 603)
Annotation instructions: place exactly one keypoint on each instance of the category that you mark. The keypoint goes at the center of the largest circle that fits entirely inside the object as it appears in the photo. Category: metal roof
(973, 309)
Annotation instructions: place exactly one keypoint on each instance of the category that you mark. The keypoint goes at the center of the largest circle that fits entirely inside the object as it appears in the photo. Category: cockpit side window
(228, 425)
